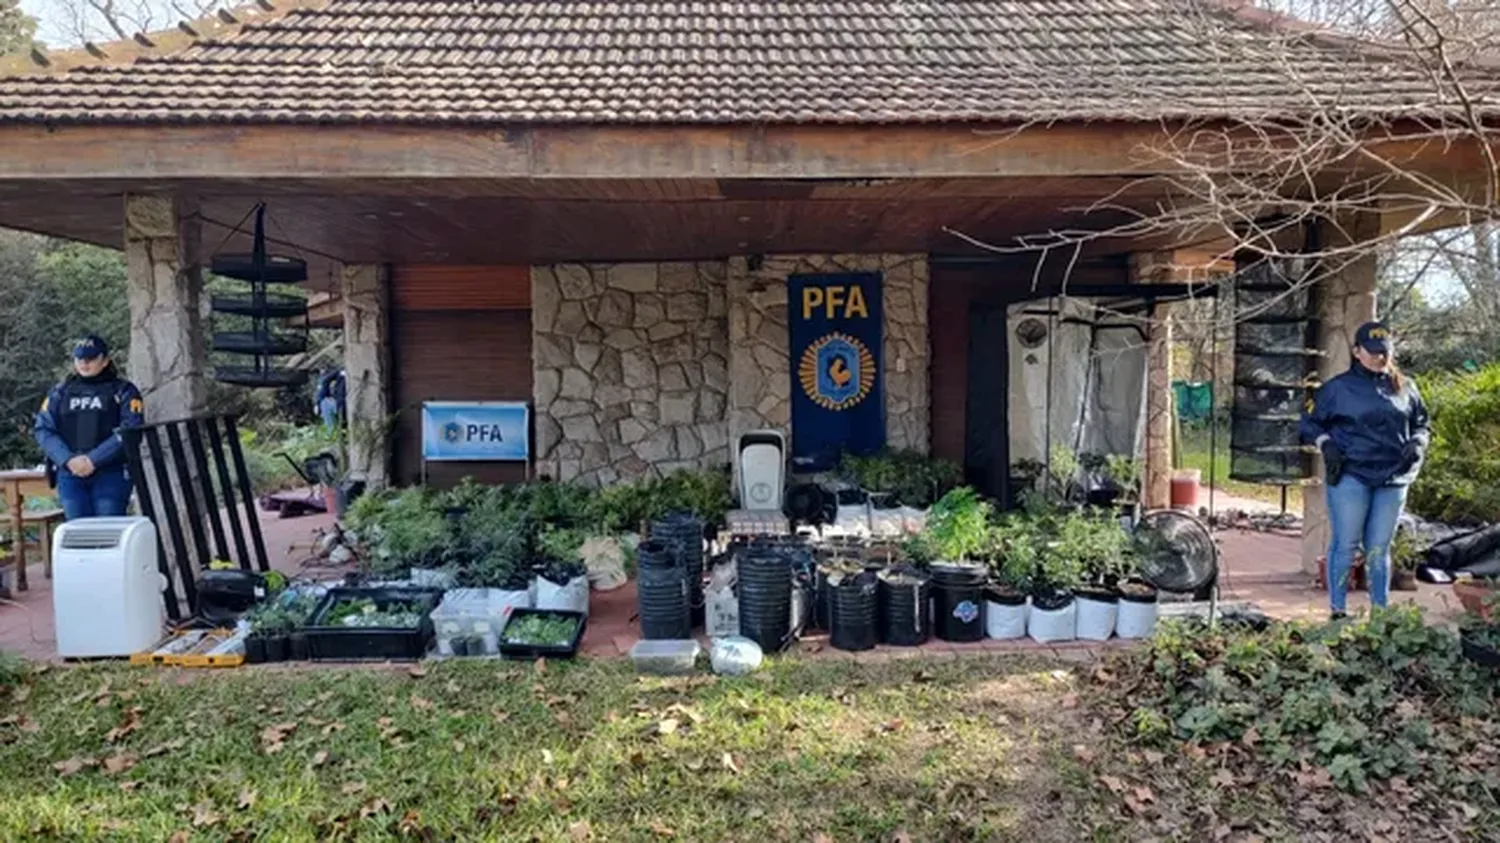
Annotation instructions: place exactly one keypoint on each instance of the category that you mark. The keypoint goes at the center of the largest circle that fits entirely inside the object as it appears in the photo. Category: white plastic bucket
(1096, 618)
(572, 597)
(1137, 619)
(1003, 621)
(1053, 625)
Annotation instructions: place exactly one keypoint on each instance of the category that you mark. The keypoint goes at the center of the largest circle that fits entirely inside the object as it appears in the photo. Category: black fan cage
(1275, 370)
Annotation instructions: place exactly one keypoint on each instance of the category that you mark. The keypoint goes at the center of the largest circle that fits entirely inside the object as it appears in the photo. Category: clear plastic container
(479, 612)
(669, 657)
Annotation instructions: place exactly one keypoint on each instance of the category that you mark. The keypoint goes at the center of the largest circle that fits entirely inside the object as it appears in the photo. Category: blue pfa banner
(838, 403)
(476, 431)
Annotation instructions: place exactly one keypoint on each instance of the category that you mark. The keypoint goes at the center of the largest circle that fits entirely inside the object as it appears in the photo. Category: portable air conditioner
(762, 465)
(106, 589)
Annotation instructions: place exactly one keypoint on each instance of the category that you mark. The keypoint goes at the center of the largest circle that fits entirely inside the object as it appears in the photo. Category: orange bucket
(1185, 485)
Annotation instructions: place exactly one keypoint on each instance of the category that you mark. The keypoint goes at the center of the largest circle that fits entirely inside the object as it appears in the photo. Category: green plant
(1405, 553)
(364, 612)
(1460, 478)
(1014, 552)
(1124, 472)
(958, 525)
(13, 671)
(269, 619)
(1097, 542)
(876, 473)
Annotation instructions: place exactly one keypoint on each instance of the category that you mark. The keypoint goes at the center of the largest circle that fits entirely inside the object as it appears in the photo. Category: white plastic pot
(1096, 618)
(1137, 618)
(1046, 625)
(722, 612)
(572, 597)
(1003, 621)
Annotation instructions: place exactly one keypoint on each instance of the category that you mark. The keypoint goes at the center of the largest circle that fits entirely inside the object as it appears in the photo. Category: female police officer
(1372, 428)
(79, 430)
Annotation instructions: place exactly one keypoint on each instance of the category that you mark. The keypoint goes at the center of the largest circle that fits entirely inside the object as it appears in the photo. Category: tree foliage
(16, 28)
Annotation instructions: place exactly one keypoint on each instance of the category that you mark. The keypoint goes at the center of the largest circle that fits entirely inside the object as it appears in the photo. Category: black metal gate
(184, 484)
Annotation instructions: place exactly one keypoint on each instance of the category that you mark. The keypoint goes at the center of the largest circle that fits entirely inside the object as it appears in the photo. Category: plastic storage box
(475, 613)
(666, 657)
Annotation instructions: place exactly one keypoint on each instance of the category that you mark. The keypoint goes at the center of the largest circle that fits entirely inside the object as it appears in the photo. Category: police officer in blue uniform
(79, 428)
(1373, 431)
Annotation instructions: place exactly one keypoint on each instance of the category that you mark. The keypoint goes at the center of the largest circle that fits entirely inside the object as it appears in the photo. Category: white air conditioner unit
(762, 462)
(106, 588)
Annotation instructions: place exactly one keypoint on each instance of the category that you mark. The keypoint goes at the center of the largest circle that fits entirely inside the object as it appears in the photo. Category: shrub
(1460, 482)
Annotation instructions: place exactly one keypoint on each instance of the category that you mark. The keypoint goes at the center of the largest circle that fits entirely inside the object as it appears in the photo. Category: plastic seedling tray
(371, 643)
(536, 651)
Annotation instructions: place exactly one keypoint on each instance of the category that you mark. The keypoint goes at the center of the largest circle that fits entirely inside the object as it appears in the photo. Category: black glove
(1333, 461)
(1410, 455)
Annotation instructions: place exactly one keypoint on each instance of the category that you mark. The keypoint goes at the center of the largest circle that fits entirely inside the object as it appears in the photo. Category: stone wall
(759, 368)
(631, 369)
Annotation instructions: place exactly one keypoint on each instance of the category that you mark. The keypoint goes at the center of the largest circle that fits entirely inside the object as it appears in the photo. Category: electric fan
(1178, 554)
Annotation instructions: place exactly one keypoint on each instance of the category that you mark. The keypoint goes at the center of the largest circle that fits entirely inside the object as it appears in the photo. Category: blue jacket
(70, 414)
(1371, 424)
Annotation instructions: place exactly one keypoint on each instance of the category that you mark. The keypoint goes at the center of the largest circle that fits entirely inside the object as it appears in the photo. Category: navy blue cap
(1374, 337)
(90, 347)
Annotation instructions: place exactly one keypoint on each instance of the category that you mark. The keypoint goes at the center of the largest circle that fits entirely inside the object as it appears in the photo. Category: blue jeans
(1362, 515)
(328, 408)
(105, 492)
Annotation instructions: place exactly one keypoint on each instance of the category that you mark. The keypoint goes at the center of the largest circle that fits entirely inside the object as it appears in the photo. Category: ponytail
(1398, 380)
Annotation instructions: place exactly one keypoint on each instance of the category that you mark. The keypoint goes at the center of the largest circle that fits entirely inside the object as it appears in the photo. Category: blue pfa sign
(835, 326)
(476, 431)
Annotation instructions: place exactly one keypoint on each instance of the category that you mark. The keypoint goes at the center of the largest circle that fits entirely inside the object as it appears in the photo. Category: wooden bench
(15, 488)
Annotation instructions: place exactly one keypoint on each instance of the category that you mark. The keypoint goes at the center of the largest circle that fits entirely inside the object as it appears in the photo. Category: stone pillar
(366, 298)
(168, 356)
(1346, 299)
(1156, 476)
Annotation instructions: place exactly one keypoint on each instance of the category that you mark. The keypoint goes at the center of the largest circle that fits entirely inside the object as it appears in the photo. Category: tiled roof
(497, 61)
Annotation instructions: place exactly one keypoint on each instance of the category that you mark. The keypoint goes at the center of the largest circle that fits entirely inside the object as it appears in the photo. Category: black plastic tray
(241, 342)
(269, 305)
(343, 643)
(537, 651)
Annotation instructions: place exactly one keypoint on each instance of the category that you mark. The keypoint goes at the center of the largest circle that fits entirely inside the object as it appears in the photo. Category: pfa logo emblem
(837, 371)
(453, 432)
(966, 611)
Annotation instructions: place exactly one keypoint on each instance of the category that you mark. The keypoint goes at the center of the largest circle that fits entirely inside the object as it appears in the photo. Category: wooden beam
(631, 152)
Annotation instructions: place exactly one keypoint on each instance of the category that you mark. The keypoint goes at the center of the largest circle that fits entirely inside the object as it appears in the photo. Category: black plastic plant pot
(1105, 496)
(297, 646)
(1479, 652)
(1098, 594)
(460, 645)
(765, 592)
(1138, 593)
(958, 601)
(905, 609)
(663, 601)
(277, 648)
(855, 606)
(255, 649)
(530, 651)
(372, 643)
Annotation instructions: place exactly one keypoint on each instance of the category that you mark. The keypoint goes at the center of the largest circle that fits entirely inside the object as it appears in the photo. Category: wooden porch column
(1346, 299)
(168, 356)
(1156, 476)
(366, 298)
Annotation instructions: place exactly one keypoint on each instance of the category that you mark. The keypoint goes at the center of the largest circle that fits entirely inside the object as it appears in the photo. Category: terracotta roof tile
(471, 61)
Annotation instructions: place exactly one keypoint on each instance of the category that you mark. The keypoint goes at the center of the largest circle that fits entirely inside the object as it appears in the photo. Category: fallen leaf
(29, 726)
(353, 788)
(274, 737)
(130, 787)
(580, 830)
(501, 716)
(1083, 753)
(204, 815)
(74, 765)
(416, 671)
(730, 764)
(1152, 757)
(541, 665)
(667, 726)
(421, 704)
(246, 800)
(333, 727)
(924, 676)
(892, 726)
(1471, 813)
(180, 837)
(319, 759)
(373, 807)
(561, 784)
(1114, 784)
(820, 837)
(695, 765)
(132, 722)
(118, 763)
(546, 756)
(453, 687)
(901, 836)
(1224, 778)
(638, 759)
(459, 746)
(660, 830)
(1251, 738)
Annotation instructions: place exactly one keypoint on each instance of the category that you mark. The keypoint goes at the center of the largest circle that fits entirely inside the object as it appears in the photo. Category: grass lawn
(483, 750)
(981, 748)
